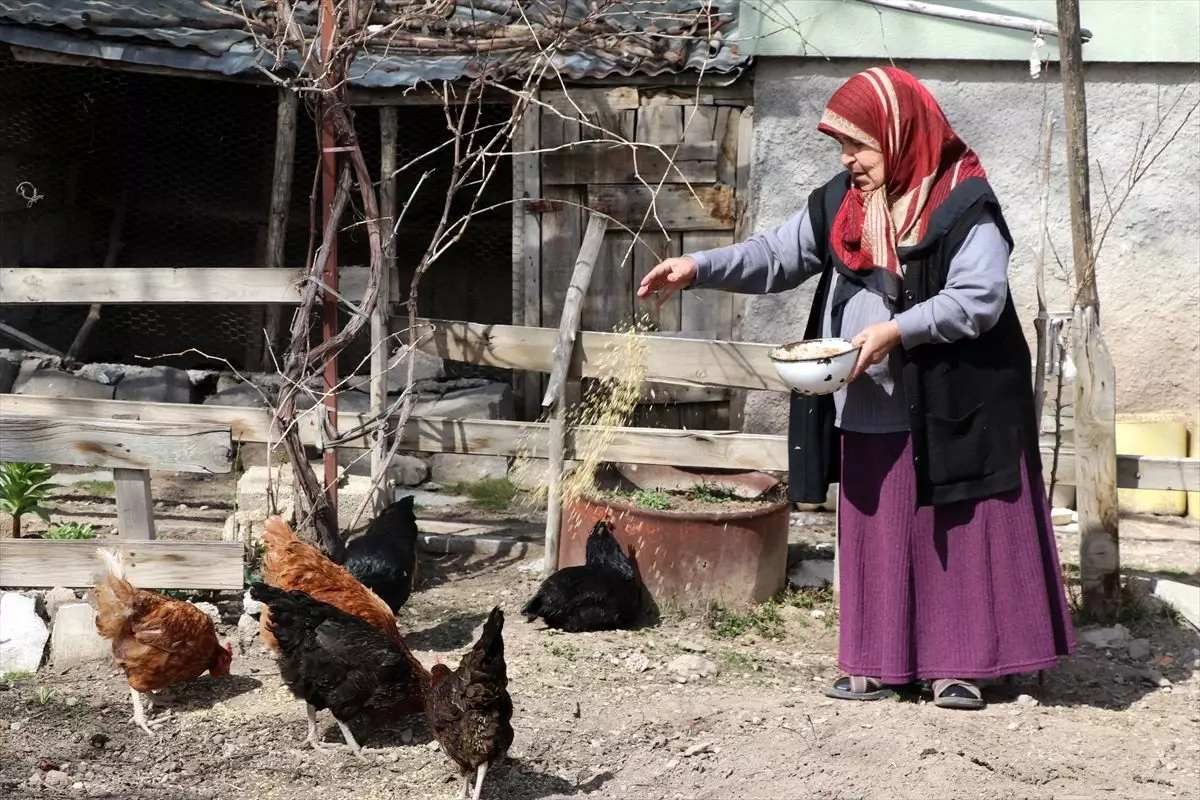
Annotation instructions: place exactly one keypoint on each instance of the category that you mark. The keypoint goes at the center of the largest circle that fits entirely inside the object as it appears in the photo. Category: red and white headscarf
(888, 110)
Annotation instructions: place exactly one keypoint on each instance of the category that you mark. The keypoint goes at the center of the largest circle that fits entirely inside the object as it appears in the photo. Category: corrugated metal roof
(654, 37)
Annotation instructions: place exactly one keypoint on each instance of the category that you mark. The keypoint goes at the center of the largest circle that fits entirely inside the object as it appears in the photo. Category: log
(84, 442)
(43, 563)
(1095, 382)
(568, 328)
(281, 196)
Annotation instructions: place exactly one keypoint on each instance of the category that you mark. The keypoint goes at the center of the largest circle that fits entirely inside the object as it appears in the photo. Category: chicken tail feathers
(114, 595)
(491, 641)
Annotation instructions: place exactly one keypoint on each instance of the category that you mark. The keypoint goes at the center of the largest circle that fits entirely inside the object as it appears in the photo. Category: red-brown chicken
(293, 565)
(156, 640)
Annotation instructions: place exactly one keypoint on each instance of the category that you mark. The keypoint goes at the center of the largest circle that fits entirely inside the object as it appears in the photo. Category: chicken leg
(480, 772)
(139, 712)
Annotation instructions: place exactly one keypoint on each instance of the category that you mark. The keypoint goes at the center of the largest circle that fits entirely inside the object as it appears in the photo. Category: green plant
(24, 487)
(45, 694)
(98, 488)
(70, 530)
(656, 501)
(766, 620)
(490, 494)
(16, 675)
(711, 493)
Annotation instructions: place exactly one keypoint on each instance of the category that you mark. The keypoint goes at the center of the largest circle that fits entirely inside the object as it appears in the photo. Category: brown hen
(469, 710)
(156, 640)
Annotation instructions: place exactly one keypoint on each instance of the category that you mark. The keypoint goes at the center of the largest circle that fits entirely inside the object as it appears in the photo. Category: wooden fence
(688, 365)
(131, 448)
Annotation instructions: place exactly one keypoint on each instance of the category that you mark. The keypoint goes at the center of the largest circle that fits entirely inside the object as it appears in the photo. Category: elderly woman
(949, 573)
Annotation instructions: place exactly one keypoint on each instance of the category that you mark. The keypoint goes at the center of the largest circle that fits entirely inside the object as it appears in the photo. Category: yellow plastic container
(1161, 434)
(1193, 498)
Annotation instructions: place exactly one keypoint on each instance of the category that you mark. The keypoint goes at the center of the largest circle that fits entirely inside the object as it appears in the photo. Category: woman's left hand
(876, 342)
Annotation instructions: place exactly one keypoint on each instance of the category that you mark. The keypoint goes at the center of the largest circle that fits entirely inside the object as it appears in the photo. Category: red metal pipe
(329, 310)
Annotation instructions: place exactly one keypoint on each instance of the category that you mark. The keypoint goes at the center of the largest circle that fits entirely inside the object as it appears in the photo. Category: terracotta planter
(738, 558)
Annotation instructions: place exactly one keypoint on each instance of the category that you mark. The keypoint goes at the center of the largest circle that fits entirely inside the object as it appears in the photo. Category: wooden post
(388, 132)
(135, 503)
(1095, 382)
(281, 195)
(564, 347)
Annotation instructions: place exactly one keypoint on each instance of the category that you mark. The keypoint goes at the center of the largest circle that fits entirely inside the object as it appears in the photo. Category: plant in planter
(24, 487)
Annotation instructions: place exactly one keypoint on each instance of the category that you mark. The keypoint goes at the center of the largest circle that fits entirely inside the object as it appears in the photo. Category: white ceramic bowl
(815, 366)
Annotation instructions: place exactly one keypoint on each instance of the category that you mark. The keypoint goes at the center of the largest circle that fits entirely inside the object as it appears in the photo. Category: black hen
(331, 659)
(469, 710)
(384, 558)
(601, 595)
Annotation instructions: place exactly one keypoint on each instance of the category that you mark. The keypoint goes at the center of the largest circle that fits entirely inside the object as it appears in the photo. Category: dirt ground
(605, 716)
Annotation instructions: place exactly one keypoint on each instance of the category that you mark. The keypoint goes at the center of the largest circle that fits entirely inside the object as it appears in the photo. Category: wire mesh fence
(190, 161)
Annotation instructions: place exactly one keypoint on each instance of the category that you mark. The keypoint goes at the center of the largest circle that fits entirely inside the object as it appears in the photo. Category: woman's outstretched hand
(876, 342)
(667, 278)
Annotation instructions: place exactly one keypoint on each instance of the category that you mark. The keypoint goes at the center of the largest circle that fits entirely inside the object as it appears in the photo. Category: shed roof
(411, 41)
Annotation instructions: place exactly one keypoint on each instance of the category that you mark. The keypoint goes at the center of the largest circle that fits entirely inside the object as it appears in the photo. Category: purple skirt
(968, 590)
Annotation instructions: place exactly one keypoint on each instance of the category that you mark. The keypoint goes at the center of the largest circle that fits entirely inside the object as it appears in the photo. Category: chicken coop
(131, 141)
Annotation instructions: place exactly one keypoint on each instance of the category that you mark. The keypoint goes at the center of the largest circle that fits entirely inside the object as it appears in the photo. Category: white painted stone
(57, 597)
(75, 639)
(23, 634)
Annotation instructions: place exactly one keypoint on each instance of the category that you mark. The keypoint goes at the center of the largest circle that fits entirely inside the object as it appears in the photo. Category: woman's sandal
(856, 687)
(952, 693)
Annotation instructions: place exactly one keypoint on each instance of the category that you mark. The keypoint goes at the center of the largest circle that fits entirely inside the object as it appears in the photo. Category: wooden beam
(708, 449)
(42, 563)
(598, 162)
(135, 503)
(734, 365)
(164, 285)
(79, 441)
(672, 207)
(26, 340)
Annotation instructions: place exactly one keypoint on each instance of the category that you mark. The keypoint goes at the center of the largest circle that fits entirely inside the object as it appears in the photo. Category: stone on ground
(156, 385)
(75, 639)
(23, 634)
(47, 382)
(56, 597)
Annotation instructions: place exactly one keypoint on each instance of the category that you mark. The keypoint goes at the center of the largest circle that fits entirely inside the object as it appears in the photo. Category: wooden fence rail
(704, 449)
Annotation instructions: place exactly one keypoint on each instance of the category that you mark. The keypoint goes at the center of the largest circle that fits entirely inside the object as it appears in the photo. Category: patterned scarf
(888, 110)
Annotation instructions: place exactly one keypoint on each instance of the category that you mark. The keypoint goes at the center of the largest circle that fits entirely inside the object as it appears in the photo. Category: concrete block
(426, 368)
(56, 597)
(108, 374)
(404, 470)
(493, 401)
(1183, 597)
(23, 634)
(243, 395)
(75, 639)
(156, 385)
(252, 501)
(448, 468)
(56, 383)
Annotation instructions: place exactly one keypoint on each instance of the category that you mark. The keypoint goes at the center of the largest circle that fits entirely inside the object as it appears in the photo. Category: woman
(949, 572)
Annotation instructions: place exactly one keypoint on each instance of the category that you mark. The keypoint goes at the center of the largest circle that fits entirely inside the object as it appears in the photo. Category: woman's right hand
(667, 278)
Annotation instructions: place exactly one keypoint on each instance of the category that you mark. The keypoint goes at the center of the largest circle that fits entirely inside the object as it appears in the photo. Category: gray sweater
(783, 257)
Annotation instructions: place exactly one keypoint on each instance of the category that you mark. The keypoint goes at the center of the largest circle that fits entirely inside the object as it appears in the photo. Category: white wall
(1149, 268)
